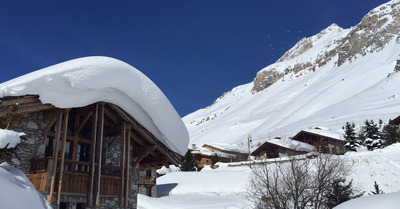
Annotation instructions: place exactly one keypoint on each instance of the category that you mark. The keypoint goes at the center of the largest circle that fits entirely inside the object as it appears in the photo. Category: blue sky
(193, 50)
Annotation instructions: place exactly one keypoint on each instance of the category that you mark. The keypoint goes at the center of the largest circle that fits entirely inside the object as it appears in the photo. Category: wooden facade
(237, 156)
(396, 121)
(323, 143)
(271, 150)
(83, 136)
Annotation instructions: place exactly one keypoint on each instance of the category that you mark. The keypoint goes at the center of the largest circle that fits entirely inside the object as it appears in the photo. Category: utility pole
(248, 145)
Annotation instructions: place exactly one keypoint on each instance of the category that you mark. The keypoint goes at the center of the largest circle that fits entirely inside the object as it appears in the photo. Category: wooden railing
(146, 180)
(75, 176)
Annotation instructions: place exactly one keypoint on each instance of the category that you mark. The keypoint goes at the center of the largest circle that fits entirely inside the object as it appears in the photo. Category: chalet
(396, 120)
(324, 140)
(276, 148)
(204, 156)
(89, 150)
(236, 154)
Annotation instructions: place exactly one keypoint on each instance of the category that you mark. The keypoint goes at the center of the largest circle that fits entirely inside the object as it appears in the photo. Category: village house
(230, 150)
(96, 155)
(396, 121)
(277, 147)
(325, 141)
(204, 156)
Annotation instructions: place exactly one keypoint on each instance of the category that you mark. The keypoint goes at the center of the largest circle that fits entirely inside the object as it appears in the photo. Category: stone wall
(35, 140)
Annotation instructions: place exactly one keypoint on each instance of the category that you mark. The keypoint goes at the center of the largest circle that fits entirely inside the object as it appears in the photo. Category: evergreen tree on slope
(350, 137)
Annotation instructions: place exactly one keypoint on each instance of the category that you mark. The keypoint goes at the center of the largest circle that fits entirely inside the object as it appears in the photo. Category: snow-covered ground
(225, 187)
(17, 191)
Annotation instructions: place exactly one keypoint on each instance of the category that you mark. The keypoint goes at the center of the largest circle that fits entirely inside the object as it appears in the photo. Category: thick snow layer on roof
(327, 133)
(84, 81)
(10, 138)
(293, 144)
(17, 191)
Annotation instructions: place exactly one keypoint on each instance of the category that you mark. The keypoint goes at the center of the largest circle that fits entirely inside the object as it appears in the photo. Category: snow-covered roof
(228, 147)
(10, 138)
(326, 133)
(84, 81)
(206, 152)
(292, 144)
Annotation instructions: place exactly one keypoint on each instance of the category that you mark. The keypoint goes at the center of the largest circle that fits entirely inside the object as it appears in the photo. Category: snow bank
(17, 191)
(10, 138)
(84, 81)
(387, 201)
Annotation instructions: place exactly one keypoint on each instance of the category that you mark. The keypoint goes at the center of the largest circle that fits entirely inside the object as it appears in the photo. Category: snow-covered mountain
(336, 76)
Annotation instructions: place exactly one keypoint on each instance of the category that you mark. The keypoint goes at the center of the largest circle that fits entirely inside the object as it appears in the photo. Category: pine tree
(340, 192)
(371, 129)
(390, 134)
(350, 137)
(372, 133)
(214, 160)
(188, 162)
(377, 190)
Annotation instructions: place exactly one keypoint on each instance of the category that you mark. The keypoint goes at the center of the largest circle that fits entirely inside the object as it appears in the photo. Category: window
(50, 146)
(82, 152)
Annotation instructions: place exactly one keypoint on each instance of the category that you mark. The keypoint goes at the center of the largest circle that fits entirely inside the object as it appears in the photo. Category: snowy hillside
(336, 76)
(225, 186)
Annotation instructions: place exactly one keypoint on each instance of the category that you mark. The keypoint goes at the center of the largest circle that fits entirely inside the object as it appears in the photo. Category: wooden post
(64, 140)
(122, 164)
(55, 156)
(127, 176)
(89, 195)
(99, 149)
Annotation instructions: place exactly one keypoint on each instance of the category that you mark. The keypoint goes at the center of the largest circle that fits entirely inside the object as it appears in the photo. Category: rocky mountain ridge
(374, 31)
(335, 76)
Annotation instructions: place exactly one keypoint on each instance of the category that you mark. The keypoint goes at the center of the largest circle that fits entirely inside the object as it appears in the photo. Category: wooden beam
(83, 123)
(100, 130)
(112, 116)
(49, 125)
(111, 144)
(122, 164)
(19, 100)
(128, 154)
(64, 140)
(37, 108)
(90, 194)
(55, 157)
(143, 150)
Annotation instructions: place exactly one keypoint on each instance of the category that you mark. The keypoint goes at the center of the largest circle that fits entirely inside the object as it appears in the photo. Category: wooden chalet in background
(236, 156)
(396, 121)
(204, 156)
(102, 150)
(325, 141)
(276, 148)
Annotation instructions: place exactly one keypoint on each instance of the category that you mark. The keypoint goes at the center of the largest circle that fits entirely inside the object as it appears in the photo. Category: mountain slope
(336, 76)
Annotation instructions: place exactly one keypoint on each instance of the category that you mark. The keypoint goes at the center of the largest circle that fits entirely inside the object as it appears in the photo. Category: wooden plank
(49, 125)
(128, 154)
(143, 150)
(122, 164)
(89, 195)
(64, 140)
(19, 100)
(99, 149)
(114, 131)
(55, 156)
(36, 108)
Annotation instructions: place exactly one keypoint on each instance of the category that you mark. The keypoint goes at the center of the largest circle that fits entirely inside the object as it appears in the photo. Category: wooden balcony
(75, 177)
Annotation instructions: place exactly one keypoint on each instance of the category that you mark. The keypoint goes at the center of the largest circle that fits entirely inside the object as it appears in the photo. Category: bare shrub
(296, 183)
